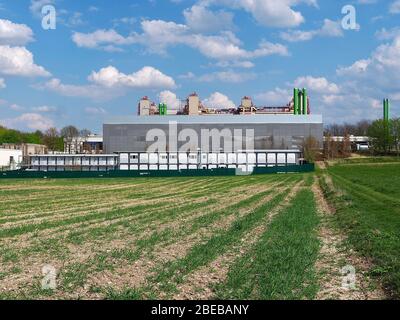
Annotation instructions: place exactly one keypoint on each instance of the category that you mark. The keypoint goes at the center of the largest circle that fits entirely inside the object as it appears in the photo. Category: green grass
(134, 224)
(368, 160)
(368, 210)
(50, 222)
(281, 263)
(173, 273)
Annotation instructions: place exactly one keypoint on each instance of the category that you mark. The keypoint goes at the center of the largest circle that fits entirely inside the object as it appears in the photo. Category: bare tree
(51, 138)
(69, 133)
(345, 146)
(310, 149)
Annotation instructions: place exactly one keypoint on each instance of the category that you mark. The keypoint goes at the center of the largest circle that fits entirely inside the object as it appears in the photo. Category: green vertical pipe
(384, 110)
(296, 100)
(304, 111)
(299, 105)
(387, 109)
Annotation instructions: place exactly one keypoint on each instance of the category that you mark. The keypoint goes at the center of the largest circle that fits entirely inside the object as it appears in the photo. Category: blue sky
(104, 55)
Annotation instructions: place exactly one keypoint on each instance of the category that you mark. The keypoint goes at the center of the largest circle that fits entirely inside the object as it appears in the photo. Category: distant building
(27, 149)
(10, 159)
(358, 143)
(144, 106)
(92, 144)
(193, 105)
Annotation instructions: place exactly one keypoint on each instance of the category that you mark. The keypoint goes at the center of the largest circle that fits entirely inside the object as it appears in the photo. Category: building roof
(218, 119)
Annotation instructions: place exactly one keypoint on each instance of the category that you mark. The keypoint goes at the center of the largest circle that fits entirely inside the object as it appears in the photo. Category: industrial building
(230, 133)
(195, 136)
(196, 127)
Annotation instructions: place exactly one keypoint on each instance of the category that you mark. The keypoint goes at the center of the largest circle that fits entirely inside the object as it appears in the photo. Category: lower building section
(166, 161)
(77, 162)
(193, 161)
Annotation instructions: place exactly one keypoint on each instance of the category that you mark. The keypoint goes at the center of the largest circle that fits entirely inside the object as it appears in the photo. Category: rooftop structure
(92, 144)
(193, 106)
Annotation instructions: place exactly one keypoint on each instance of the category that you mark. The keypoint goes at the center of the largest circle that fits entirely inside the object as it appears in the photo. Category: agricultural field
(366, 198)
(243, 237)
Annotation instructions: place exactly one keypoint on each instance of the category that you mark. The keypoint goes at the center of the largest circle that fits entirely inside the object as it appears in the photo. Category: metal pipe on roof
(304, 110)
(296, 100)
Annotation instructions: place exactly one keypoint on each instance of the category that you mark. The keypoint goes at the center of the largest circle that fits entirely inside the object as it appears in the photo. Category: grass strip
(281, 263)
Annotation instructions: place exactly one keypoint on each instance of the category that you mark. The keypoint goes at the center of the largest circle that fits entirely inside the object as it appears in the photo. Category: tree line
(52, 137)
(384, 137)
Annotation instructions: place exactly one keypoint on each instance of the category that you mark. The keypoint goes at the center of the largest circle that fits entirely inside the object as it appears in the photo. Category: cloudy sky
(104, 55)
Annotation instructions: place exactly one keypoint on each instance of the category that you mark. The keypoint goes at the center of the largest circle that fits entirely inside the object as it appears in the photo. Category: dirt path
(334, 256)
(321, 165)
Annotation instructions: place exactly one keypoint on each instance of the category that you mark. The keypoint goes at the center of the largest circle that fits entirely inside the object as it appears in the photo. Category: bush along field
(246, 237)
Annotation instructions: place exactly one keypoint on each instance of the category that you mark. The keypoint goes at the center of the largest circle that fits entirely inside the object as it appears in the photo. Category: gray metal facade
(270, 131)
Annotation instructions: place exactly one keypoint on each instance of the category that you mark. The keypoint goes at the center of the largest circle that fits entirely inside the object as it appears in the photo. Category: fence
(18, 174)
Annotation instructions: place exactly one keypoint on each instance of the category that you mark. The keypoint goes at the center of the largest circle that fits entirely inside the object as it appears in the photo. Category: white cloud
(95, 111)
(14, 34)
(75, 19)
(358, 67)
(271, 13)
(188, 75)
(93, 9)
(33, 121)
(218, 101)
(235, 64)
(158, 35)
(329, 29)
(227, 76)
(199, 19)
(16, 107)
(387, 34)
(170, 98)
(366, 82)
(101, 39)
(86, 91)
(147, 77)
(45, 109)
(2, 83)
(37, 5)
(18, 61)
(381, 69)
(276, 97)
(318, 85)
(395, 7)
(109, 83)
